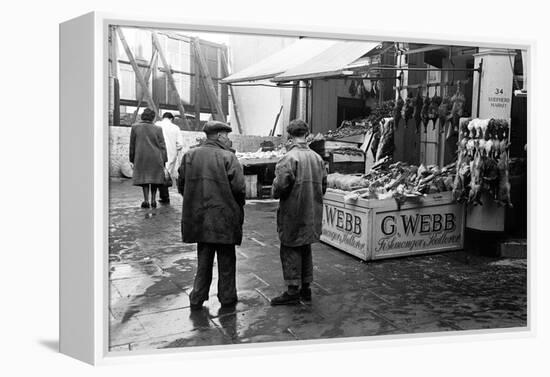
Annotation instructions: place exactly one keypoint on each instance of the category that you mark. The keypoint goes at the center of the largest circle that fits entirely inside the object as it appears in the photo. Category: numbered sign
(495, 84)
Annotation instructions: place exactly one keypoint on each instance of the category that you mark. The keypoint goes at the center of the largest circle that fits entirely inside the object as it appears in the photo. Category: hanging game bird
(457, 109)
(417, 110)
(396, 113)
(443, 112)
(425, 112)
(408, 108)
(433, 109)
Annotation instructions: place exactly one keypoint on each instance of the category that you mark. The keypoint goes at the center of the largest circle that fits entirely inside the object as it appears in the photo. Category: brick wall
(119, 140)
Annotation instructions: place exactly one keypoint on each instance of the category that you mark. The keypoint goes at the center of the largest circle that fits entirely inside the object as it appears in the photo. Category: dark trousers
(297, 264)
(163, 192)
(227, 288)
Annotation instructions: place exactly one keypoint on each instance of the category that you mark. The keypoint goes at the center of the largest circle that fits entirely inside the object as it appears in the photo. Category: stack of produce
(348, 128)
(349, 151)
(317, 137)
(394, 180)
(260, 154)
(483, 164)
(361, 126)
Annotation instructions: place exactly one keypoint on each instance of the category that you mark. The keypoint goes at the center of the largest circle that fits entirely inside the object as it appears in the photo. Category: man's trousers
(227, 289)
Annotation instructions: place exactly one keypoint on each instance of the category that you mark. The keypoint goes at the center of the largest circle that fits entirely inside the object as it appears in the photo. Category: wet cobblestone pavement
(151, 276)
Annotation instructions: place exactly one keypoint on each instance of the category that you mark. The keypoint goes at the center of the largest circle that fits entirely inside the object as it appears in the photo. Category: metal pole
(479, 86)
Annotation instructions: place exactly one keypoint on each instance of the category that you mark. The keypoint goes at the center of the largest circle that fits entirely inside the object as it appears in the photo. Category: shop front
(415, 143)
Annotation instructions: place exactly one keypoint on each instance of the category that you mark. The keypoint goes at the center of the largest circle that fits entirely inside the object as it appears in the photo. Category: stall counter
(379, 229)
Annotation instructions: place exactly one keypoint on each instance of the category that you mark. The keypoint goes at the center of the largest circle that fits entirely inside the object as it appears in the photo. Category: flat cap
(213, 126)
(297, 127)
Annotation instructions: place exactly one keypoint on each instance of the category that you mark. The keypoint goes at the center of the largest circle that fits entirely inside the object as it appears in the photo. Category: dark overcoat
(212, 183)
(147, 153)
(300, 183)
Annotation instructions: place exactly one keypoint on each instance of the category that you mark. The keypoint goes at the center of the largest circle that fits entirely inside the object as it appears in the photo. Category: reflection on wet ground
(151, 275)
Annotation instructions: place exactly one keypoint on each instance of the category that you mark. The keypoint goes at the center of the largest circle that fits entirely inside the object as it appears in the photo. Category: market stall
(394, 210)
(415, 139)
(259, 170)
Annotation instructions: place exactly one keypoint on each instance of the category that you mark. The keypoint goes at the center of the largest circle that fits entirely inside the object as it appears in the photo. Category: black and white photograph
(277, 188)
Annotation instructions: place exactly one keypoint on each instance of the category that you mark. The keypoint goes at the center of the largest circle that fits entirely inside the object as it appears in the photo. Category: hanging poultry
(408, 108)
(361, 92)
(490, 175)
(417, 113)
(352, 88)
(443, 112)
(386, 145)
(502, 135)
(433, 110)
(425, 114)
(462, 168)
(503, 196)
(396, 113)
(490, 138)
(476, 180)
(457, 109)
(376, 133)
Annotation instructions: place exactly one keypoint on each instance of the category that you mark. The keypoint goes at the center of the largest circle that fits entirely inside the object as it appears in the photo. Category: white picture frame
(84, 154)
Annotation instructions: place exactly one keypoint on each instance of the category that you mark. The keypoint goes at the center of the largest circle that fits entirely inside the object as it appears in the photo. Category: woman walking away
(147, 156)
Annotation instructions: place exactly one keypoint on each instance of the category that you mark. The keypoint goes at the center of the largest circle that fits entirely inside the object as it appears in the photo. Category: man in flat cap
(212, 183)
(300, 183)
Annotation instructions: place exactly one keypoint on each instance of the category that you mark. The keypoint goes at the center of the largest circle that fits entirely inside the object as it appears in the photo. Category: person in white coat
(174, 144)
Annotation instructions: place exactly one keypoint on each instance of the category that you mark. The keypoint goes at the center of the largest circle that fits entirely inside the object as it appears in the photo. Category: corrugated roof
(293, 55)
(330, 62)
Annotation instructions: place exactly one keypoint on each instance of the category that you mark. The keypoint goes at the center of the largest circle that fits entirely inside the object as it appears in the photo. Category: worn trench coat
(147, 153)
(212, 183)
(300, 183)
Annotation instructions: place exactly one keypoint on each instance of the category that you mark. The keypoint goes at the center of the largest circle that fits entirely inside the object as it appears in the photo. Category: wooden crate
(346, 163)
(378, 229)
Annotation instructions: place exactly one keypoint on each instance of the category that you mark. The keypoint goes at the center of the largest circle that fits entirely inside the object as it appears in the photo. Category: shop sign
(345, 227)
(494, 84)
(421, 228)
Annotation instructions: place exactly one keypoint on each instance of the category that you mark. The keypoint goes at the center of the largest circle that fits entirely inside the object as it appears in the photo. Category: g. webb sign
(373, 233)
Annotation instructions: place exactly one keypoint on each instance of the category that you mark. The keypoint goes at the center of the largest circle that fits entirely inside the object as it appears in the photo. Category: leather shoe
(286, 299)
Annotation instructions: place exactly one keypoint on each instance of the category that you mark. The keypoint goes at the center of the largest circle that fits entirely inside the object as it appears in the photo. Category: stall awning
(330, 62)
(291, 56)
